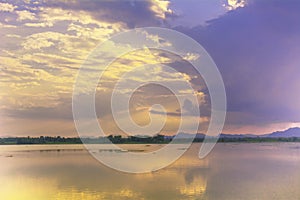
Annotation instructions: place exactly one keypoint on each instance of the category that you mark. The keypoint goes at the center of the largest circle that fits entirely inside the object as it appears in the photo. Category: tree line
(118, 139)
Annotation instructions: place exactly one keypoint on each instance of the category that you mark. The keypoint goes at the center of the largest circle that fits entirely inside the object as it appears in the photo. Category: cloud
(39, 24)
(39, 40)
(6, 7)
(6, 25)
(234, 4)
(25, 15)
(191, 57)
(131, 13)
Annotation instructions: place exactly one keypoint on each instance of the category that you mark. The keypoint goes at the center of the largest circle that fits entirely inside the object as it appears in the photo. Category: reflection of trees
(195, 182)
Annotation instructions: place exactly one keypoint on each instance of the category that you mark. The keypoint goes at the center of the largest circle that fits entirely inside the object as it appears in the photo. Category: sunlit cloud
(161, 8)
(25, 15)
(234, 4)
(191, 57)
(6, 7)
(46, 45)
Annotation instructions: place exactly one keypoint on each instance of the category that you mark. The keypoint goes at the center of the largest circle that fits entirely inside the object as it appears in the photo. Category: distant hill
(223, 135)
(202, 135)
(185, 135)
(292, 132)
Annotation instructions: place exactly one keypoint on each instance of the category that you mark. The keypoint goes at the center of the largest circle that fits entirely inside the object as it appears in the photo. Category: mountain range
(291, 132)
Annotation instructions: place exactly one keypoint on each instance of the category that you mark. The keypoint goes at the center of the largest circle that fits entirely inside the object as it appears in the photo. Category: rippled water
(231, 171)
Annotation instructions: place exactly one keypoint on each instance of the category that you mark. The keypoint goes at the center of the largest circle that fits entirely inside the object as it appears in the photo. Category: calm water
(231, 171)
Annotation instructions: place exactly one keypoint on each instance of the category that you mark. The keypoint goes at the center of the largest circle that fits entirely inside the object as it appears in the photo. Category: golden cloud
(6, 7)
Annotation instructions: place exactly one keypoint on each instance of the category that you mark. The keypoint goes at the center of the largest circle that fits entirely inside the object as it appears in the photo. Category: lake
(231, 171)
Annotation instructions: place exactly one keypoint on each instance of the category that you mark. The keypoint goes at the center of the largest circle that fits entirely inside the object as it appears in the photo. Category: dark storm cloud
(257, 51)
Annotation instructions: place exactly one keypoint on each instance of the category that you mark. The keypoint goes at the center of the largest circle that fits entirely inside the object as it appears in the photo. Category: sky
(255, 45)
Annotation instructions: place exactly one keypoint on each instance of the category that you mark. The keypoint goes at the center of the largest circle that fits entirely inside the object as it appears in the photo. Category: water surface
(231, 171)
